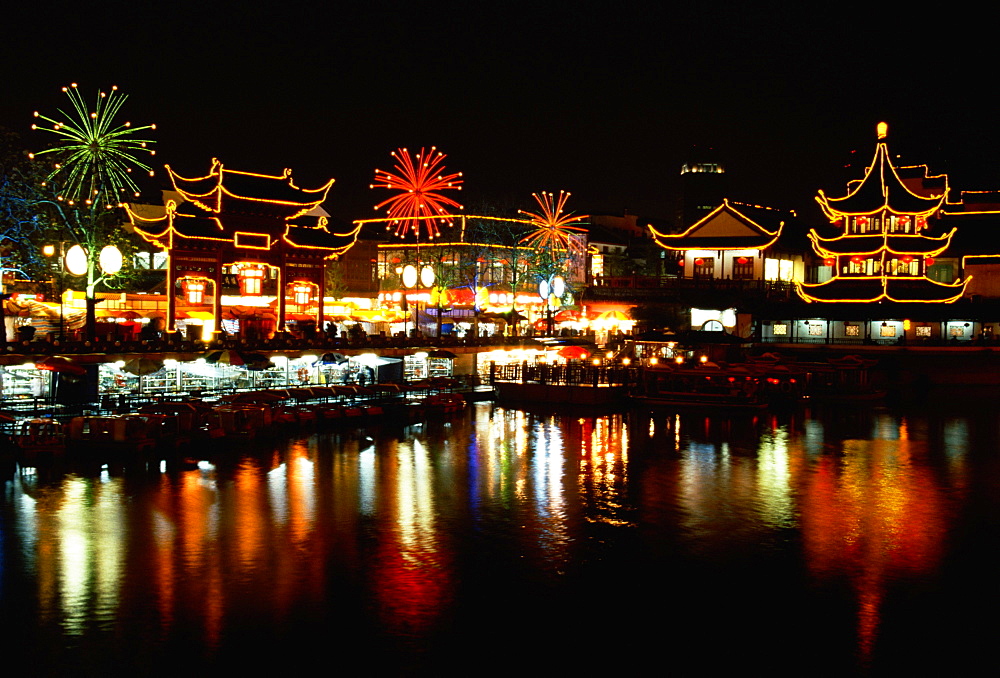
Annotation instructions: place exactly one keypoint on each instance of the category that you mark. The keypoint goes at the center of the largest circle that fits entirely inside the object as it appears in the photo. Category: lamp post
(76, 261)
(553, 286)
(409, 278)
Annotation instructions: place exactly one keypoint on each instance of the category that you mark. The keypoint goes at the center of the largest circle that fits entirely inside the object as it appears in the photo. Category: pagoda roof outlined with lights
(928, 246)
(245, 210)
(730, 226)
(230, 217)
(884, 251)
(884, 188)
(237, 192)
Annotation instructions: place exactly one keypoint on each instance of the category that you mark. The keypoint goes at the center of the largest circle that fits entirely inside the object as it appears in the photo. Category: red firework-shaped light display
(420, 181)
(552, 227)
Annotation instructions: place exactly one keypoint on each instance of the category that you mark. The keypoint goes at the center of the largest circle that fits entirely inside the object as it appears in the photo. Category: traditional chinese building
(895, 261)
(731, 257)
(268, 233)
(735, 241)
(889, 237)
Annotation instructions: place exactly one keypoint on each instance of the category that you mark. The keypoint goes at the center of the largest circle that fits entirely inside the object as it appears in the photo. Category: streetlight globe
(110, 260)
(410, 275)
(76, 260)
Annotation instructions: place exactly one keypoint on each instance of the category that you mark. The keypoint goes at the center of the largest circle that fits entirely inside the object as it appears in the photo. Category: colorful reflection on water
(844, 530)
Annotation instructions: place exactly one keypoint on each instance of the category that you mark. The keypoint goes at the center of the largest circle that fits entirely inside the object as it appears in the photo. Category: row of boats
(165, 428)
(757, 383)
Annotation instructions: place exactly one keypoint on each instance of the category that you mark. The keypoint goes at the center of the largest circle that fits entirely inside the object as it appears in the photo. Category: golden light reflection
(872, 515)
(197, 521)
(603, 469)
(774, 479)
(74, 557)
(77, 531)
(410, 573)
(164, 534)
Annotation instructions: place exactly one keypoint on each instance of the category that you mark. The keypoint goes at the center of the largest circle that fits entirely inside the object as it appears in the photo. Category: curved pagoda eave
(734, 243)
(881, 190)
(868, 245)
(760, 237)
(870, 290)
(232, 191)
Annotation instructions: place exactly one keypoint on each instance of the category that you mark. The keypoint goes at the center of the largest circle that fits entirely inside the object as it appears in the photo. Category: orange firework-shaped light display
(420, 181)
(552, 227)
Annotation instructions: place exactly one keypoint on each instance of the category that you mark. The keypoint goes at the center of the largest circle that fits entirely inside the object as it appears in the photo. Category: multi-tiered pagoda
(888, 238)
(257, 227)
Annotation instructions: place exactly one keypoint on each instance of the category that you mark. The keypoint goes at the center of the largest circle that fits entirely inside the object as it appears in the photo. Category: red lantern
(907, 259)
(862, 221)
(699, 261)
(742, 261)
(904, 220)
(829, 261)
(929, 261)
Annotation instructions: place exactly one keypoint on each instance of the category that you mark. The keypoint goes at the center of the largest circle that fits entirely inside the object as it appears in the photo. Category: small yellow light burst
(552, 227)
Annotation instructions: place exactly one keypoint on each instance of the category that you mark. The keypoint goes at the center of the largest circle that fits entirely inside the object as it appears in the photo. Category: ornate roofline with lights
(230, 217)
(761, 237)
(883, 253)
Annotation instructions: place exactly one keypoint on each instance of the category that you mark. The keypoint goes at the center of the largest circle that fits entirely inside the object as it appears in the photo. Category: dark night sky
(602, 99)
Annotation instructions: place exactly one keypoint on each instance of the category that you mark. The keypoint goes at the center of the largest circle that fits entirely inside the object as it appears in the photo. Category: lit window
(786, 269)
(251, 281)
(770, 269)
(597, 265)
(852, 330)
(923, 331)
(887, 331)
(302, 294)
(779, 329)
(194, 291)
(704, 267)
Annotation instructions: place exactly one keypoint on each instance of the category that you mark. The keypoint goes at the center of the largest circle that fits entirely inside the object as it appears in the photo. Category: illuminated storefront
(262, 229)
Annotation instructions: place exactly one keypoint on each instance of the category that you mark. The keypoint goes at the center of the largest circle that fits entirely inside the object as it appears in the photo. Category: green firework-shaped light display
(96, 156)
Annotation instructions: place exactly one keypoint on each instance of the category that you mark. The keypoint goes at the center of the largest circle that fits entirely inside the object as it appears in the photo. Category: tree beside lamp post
(90, 180)
(76, 261)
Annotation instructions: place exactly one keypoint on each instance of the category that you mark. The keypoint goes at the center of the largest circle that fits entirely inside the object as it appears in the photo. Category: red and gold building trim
(247, 222)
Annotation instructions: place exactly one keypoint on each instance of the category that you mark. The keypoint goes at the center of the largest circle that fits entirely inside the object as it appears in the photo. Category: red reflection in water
(873, 515)
(409, 567)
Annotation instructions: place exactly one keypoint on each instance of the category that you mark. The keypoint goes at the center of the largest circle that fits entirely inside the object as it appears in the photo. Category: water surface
(810, 543)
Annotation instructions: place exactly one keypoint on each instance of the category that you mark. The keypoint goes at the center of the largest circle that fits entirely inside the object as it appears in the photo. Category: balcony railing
(176, 343)
(643, 285)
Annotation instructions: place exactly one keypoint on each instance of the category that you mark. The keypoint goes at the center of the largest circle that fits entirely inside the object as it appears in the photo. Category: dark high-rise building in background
(703, 186)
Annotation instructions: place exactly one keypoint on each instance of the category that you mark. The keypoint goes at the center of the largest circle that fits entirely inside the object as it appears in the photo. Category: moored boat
(439, 404)
(36, 440)
(703, 385)
(129, 434)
